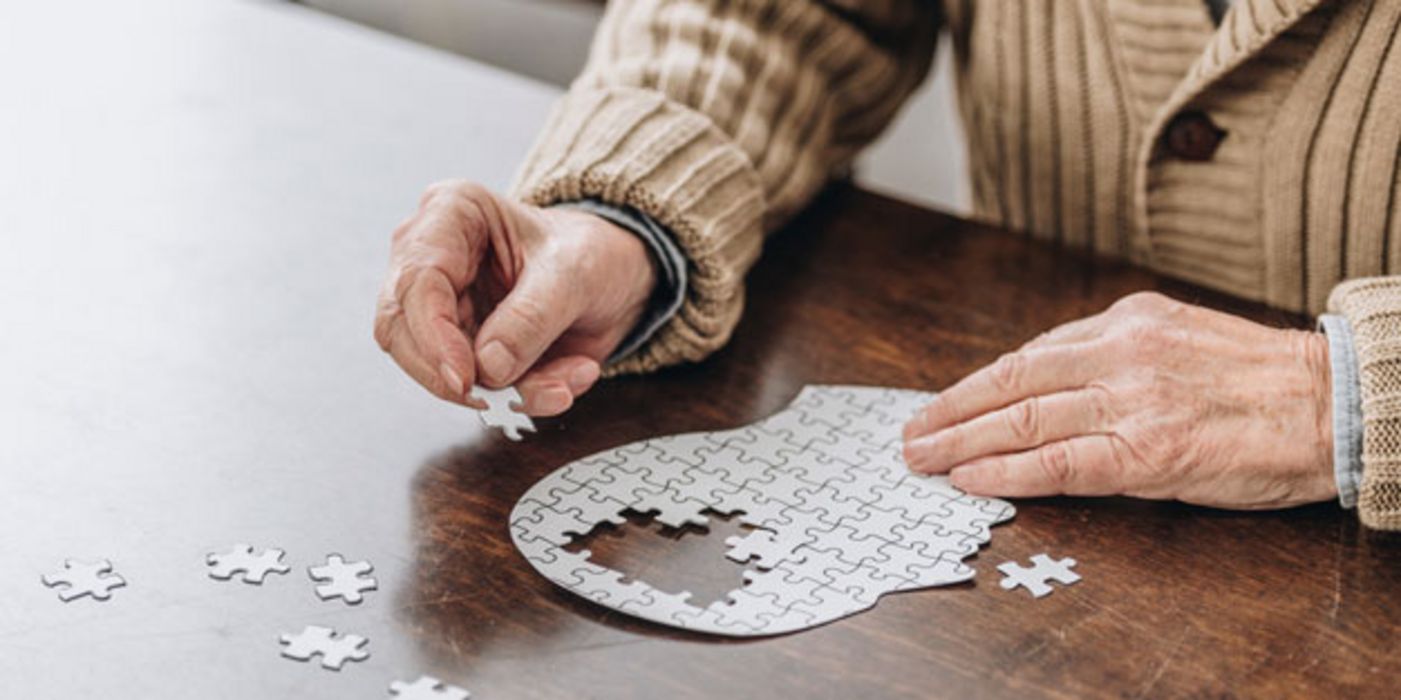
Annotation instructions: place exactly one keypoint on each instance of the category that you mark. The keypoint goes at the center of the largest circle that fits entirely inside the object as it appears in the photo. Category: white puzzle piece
(838, 520)
(334, 649)
(94, 579)
(1033, 578)
(427, 688)
(244, 559)
(501, 411)
(348, 581)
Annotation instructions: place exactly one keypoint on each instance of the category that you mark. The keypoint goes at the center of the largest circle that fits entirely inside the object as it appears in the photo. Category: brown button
(1193, 136)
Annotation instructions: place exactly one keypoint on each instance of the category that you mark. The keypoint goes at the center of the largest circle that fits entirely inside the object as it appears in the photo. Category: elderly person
(1251, 147)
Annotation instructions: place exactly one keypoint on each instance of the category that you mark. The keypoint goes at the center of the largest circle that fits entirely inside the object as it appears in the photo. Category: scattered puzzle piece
(334, 649)
(1034, 577)
(242, 559)
(84, 578)
(339, 579)
(838, 520)
(427, 688)
(501, 411)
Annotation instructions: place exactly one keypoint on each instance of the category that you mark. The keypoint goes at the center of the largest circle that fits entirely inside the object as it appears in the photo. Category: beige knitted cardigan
(720, 118)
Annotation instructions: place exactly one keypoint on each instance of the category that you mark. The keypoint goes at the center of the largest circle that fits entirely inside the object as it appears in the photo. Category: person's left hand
(1152, 398)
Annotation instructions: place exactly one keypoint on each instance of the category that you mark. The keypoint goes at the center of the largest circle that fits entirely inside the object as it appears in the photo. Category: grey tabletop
(196, 201)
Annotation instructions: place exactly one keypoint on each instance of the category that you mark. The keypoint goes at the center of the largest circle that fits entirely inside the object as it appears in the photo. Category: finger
(431, 312)
(523, 326)
(449, 233)
(1081, 466)
(406, 353)
(550, 389)
(1012, 378)
(1023, 425)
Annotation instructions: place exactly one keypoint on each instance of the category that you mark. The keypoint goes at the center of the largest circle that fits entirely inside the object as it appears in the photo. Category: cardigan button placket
(1193, 136)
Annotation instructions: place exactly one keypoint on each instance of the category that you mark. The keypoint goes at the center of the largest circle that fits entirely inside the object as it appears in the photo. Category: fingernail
(553, 400)
(496, 361)
(909, 453)
(452, 379)
(582, 377)
(961, 477)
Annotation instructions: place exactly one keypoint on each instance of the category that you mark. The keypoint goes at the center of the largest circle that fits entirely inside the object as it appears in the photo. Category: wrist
(617, 270)
(660, 284)
(636, 264)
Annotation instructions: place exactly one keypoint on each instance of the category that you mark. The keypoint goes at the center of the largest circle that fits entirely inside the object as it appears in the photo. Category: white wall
(921, 158)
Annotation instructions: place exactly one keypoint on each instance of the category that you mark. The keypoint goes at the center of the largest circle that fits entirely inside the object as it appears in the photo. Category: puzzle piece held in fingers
(501, 411)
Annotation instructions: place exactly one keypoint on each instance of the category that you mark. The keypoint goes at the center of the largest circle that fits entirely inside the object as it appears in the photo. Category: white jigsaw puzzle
(427, 688)
(339, 579)
(839, 520)
(1033, 578)
(244, 559)
(93, 579)
(334, 649)
(501, 413)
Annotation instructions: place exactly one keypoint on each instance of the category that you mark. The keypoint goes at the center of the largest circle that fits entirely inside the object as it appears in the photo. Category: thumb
(536, 312)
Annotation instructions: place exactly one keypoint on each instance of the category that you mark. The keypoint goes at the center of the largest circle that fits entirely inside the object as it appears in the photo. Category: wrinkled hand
(1152, 398)
(484, 289)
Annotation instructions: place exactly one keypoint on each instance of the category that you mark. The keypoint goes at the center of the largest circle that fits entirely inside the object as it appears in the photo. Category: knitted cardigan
(721, 118)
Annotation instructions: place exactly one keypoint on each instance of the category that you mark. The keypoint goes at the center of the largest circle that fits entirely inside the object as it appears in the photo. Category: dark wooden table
(194, 228)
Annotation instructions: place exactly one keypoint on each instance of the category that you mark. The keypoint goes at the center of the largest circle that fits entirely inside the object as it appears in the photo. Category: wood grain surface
(1175, 601)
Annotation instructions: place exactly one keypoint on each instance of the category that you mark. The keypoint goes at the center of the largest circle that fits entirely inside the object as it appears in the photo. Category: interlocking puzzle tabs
(837, 520)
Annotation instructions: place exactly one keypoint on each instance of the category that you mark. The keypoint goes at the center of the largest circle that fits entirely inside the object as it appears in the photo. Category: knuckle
(1041, 338)
(934, 415)
(1141, 303)
(1100, 404)
(1121, 452)
(952, 440)
(401, 232)
(1177, 449)
(1154, 456)
(1141, 339)
(383, 337)
(451, 188)
(388, 312)
(1024, 420)
(407, 276)
(1006, 372)
(466, 201)
(1057, 462)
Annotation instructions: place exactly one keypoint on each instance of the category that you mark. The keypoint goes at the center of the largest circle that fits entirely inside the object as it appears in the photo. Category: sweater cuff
(1347, 407)
(634, 148)
(1372, 308)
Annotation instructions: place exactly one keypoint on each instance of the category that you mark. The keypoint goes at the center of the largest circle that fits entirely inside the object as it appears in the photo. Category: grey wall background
(921, 158)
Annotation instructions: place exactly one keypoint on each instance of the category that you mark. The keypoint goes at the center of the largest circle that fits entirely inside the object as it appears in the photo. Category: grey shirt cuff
(670, 293)
(1347, 407)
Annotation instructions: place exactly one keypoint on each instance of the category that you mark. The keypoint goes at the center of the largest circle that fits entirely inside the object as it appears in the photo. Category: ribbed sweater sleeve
(719, 119)
(1373, 309)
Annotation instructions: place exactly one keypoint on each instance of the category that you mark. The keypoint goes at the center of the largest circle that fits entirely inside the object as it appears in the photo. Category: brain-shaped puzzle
(837, 520)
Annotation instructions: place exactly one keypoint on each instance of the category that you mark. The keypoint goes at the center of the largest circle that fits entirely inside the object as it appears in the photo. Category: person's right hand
(484, 289)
